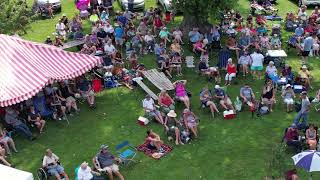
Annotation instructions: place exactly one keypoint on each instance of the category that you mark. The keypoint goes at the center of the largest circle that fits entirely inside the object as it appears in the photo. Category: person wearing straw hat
(86, 173)
(288, 95)
(173, 127)
(104, 162)
(305, 76)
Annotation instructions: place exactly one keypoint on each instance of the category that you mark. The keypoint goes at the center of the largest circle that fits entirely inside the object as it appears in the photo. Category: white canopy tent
(9, 173)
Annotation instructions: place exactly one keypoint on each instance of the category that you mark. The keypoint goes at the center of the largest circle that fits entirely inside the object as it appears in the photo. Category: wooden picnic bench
(159, 79)
(71, 44)
(145, 88)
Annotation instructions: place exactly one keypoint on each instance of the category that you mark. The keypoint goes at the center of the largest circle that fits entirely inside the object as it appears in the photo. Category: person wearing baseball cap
(304, 111)
(104, 162)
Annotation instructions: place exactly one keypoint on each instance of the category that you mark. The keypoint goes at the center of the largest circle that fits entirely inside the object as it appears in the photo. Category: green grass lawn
(237, 149)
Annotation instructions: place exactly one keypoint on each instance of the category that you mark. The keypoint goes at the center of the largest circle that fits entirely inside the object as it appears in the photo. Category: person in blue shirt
(307, 47)
(118, 34)
(194, 35)
(223, 98)
(299, 31)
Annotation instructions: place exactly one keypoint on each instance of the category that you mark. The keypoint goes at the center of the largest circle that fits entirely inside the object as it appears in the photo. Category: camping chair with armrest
(126, 156)
(40, 105)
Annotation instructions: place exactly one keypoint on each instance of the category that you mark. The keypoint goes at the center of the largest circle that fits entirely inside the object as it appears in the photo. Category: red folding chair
(96, 85)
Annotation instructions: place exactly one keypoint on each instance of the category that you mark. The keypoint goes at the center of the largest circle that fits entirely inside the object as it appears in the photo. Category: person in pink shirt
(181, 93)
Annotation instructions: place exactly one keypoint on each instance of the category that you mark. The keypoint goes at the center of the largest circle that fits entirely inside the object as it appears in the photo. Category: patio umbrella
(308, 160)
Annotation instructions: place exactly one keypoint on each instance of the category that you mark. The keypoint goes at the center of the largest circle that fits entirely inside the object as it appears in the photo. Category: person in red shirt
(231, 72)
(165, 101)
(292, 138)
(157, 24)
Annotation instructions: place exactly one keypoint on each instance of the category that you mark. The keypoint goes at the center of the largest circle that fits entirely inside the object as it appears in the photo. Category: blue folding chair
(126, 156)
(39, 103)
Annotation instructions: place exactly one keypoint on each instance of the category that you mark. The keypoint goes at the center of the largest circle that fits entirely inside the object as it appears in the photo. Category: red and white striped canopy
(26, 67)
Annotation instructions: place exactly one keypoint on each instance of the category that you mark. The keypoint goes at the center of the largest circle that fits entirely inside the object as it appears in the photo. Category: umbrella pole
(310, 177)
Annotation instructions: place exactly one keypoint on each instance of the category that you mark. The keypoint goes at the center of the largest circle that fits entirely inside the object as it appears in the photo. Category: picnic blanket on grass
(144, 148)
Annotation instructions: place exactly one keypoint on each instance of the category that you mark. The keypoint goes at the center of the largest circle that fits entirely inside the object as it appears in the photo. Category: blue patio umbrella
(308, 160)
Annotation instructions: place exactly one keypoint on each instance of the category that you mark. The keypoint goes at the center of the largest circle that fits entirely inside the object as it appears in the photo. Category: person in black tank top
(268, 95)
(35, 118)
(66, 93)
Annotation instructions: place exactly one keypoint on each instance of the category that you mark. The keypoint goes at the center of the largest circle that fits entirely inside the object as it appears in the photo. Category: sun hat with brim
(271, 62)
(288, 85)
(156, 155)
(172, 114)
(217, 86)
(304, 67)
(104, 147)
(303, 93)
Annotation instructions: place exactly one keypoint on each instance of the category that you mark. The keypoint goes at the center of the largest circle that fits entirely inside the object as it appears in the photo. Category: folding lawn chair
(40, 105)
(127, 156)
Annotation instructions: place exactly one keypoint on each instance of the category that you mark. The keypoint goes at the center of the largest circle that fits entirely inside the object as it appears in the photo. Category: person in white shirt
(85, 173)
(50, 162)
(257, 63)
(177, 34)
(109, 49)
(150, 109)
(61, 29)
(271, 70)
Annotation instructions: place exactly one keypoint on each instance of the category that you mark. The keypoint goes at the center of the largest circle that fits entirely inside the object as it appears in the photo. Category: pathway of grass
(235, 149)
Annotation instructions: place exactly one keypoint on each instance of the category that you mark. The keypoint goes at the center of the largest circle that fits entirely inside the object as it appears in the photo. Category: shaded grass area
(235, 149)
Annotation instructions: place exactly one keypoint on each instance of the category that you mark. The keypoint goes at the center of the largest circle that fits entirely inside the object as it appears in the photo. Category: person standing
(257, 63)
(307, 46)
(304, 111)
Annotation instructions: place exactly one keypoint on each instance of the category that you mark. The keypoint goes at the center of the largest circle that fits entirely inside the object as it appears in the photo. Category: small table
(277, 56)
(277, 53)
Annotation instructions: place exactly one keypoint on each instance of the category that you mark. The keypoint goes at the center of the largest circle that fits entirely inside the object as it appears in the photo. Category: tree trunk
(190, 22)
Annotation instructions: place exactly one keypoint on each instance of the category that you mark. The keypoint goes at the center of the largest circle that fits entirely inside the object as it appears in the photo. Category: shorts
(56, 170)
(256, 68)
(119, 41)
(153, 113)
(305, 53)
(5, 139)
(113, 168)
(70, 99)
(228, 101)
(288, 101)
